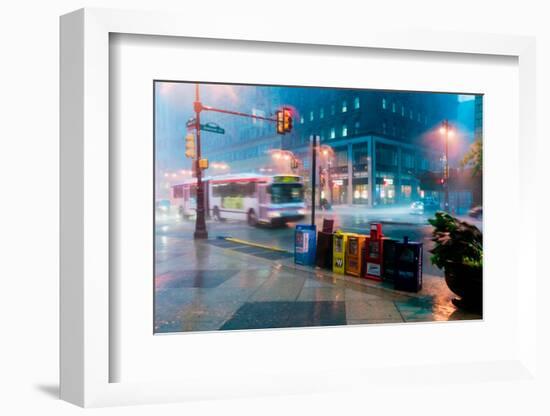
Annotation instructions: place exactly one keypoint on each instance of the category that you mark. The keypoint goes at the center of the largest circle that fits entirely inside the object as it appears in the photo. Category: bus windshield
(282, 193)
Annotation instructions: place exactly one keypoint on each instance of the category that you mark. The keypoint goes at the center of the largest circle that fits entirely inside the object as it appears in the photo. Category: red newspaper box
(374, 253)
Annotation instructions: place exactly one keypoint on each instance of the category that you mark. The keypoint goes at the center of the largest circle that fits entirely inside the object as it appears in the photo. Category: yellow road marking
(249, 243)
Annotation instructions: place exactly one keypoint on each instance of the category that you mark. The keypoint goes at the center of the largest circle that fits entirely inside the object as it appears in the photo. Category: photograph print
(292, 207)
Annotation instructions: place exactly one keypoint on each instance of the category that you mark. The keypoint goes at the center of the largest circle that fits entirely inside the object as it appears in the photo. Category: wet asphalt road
(396, 223)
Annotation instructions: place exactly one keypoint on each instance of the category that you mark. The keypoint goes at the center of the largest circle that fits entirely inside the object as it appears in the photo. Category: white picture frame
(85, 214)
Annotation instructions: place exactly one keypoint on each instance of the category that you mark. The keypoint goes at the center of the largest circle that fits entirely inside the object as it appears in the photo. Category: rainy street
(396, 223)
(238, 169)
(215, 284)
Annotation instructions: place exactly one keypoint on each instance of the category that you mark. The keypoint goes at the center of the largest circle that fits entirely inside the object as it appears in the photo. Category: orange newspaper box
(354, 254)
(374, 253)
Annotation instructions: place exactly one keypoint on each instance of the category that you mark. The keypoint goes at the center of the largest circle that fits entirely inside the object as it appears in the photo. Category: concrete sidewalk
(201, 286)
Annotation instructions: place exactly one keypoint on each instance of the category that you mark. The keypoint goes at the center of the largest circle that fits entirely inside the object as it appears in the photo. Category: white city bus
(252, 197)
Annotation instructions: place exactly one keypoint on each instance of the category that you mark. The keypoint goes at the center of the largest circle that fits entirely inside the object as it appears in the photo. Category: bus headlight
(273, 214)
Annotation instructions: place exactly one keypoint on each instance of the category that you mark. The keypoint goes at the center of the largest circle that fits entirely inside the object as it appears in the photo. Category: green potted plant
(459, 252)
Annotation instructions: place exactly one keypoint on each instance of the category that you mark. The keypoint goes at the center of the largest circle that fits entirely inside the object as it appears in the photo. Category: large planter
(467, 282)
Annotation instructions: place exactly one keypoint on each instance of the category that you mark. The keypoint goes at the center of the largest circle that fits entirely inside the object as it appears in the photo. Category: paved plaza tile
(210, 286)
(257, 315)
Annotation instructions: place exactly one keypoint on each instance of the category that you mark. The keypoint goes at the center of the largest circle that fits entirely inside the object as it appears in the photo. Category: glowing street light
(285, 155)
(447, 131)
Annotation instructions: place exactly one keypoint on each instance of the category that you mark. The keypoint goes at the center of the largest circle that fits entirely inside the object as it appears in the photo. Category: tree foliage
(474, 158)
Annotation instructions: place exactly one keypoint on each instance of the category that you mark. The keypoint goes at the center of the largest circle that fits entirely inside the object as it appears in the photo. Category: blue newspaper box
(305, 237)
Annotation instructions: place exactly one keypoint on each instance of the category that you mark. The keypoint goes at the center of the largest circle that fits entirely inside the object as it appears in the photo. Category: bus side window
(250, 189)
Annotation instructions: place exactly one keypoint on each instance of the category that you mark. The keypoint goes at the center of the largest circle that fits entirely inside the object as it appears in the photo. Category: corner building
(384, 142)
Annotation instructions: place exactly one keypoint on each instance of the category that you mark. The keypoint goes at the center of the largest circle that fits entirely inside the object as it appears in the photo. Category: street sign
(212, 128)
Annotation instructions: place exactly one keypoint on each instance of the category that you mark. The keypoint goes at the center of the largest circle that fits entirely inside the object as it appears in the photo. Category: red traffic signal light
(287, 120)
(442, 181)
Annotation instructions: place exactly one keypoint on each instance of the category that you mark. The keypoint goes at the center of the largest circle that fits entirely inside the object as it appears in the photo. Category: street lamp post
(445, 130)
(200, 223)
(313, 176)
(328, 154)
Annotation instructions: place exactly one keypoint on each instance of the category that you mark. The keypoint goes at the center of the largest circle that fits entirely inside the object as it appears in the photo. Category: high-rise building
(382, 142)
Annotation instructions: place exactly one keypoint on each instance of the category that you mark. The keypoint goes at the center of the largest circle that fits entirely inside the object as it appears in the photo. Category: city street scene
(285, 207)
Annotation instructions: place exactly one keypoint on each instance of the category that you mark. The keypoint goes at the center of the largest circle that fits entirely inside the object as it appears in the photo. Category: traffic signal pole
(286, 126)
(200, 223)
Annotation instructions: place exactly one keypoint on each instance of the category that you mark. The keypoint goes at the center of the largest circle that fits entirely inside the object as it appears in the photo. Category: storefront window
(361, 194)
(360, 154)
(406, 191)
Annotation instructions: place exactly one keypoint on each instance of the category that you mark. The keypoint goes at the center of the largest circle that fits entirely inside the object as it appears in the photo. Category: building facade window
(393, 107)
(332, 109)
(357, 127)
(356, 103)
(301, 119)
(411, 114)
(344, 106)
(321, 112)
(384, 104)
(402, 111)
(360, 154)
(344, 130)
(341, 156)
(384, 128)
(332, 133)
(311, 116)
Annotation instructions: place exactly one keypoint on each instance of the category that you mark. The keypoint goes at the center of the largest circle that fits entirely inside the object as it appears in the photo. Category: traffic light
(190, 146)
(284, 120)
(442, 181)
(287, 120)
(280, 122)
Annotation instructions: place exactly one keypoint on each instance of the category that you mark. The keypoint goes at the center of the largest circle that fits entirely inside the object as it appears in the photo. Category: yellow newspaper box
(355, 248)
(339, 240)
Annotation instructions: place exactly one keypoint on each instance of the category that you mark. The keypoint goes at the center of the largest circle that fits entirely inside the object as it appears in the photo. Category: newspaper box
(355, 249)
(374, 252)
(339, 242)
(408, 266)
(324, 246)
(304, 244)
(389, 259)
